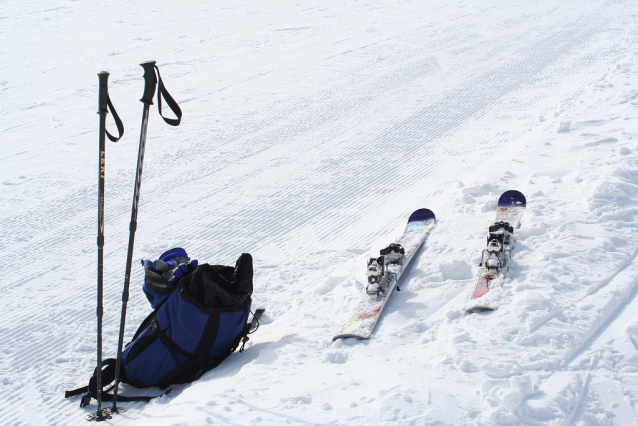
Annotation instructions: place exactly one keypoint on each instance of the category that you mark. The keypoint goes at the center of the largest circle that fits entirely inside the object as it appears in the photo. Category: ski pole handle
(150, 82)
(103, 96)
(104, 105)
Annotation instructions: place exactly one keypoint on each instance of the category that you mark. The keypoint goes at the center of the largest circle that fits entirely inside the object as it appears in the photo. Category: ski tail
(512, 199)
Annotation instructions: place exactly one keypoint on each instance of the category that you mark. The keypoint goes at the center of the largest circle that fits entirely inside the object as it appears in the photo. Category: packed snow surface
(311, 130)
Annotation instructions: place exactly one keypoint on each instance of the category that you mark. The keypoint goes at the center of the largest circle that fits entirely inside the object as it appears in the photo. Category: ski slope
(311, 130)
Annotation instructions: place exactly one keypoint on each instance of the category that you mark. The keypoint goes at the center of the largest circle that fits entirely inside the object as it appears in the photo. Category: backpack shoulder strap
(147, 321)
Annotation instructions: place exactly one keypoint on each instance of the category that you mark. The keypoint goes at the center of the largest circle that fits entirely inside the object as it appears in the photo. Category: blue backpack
(200, 317)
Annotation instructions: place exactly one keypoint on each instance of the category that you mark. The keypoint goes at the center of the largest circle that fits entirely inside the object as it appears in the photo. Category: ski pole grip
(104, 92)
(150, 82)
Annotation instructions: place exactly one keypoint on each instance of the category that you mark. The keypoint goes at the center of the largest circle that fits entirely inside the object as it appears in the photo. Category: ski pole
(104, 104)
(150, 84)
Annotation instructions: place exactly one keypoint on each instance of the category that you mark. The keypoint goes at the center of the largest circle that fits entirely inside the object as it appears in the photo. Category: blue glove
(162, 276)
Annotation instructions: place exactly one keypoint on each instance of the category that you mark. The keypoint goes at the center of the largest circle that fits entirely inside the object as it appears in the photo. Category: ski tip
(421, 215)
(512, 199)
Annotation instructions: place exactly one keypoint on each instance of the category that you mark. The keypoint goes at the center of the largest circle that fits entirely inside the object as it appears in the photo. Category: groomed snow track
(310, 131)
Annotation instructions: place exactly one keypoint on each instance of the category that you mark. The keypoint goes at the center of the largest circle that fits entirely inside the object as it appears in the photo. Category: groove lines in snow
(293, 182)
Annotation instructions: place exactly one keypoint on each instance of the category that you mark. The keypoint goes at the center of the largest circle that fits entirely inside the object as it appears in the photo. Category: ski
(500, 241)
(384, 273)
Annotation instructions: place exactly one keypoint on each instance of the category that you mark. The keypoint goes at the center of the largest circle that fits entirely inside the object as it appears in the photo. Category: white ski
(384, 273)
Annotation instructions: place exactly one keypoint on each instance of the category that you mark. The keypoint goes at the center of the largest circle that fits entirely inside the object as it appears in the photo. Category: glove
(162, 276)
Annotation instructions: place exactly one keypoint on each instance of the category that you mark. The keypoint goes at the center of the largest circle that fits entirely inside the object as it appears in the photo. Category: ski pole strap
(86, 399)
(108, 376)
(124, 398)
(118, 123)
(162, 92)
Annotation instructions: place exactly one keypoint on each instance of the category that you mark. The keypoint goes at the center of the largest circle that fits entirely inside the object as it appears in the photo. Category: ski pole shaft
(102, 111)
(149, 90)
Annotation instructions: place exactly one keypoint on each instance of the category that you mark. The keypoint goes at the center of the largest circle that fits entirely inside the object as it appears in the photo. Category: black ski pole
(104, 104)
(150, 83)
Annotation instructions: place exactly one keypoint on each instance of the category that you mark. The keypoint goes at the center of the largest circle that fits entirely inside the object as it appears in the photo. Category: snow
(311, 130)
